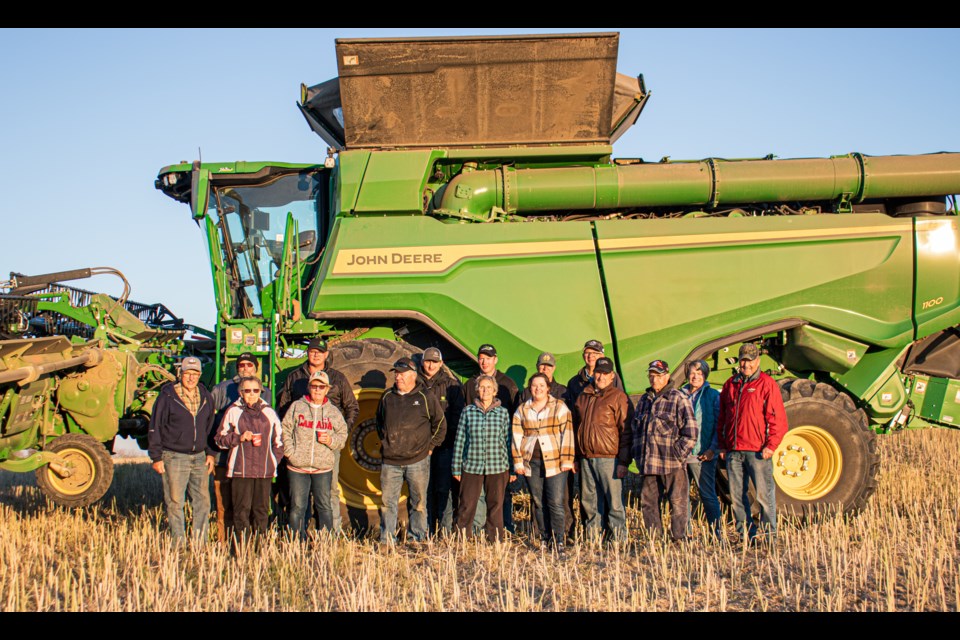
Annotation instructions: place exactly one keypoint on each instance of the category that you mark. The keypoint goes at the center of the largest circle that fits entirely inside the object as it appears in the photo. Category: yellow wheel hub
(84, 472)
(360, 457)
(808, 463)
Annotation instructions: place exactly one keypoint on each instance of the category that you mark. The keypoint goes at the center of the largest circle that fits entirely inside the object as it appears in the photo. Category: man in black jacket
(340, 395)
(179, 447)
(410, 424)
(443, 491)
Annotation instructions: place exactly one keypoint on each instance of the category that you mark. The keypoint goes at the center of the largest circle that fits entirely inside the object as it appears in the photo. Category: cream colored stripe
(750, 236)
(437, 259)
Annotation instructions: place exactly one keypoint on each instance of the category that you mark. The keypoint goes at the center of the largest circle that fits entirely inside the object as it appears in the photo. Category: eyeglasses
(319, 386)
(250, 391)
(246, 364)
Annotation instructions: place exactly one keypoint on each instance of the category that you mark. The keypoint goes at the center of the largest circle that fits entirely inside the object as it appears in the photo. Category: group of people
(463, 448)
(234, 434)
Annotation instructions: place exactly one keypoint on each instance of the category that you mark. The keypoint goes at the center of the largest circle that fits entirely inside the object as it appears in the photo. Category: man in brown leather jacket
(602, 418)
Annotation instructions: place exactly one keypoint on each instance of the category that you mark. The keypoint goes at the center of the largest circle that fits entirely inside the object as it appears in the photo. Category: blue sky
(90, 116)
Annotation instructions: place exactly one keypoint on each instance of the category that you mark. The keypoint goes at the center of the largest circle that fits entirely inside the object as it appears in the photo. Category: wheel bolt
(806, 458)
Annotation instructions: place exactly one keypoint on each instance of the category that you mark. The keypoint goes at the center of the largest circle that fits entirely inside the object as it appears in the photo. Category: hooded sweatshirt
(301, 426)
(706, 408)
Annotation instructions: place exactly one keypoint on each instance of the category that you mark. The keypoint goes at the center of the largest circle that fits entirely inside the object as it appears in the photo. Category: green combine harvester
(470, 195)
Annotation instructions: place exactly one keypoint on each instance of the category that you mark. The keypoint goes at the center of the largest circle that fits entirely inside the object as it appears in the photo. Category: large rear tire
(828, 458)
(91, 471)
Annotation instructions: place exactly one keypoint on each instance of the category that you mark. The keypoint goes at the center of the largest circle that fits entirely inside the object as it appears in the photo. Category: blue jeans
(441, 494)
(301, 486)
(549, 492)
(601, 495)
(750, 465)
(417, 476)
(703, 474)
(186, 473)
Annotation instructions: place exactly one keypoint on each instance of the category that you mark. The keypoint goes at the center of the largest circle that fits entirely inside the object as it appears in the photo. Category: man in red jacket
(751, 425)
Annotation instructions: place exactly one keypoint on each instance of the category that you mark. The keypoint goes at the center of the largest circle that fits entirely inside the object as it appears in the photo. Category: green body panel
(935, 400)
(525, 288)
(811, 349)
(393, 182)
(677, 284)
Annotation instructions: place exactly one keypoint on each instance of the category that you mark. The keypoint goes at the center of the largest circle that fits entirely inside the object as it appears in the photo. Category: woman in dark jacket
(251, 431)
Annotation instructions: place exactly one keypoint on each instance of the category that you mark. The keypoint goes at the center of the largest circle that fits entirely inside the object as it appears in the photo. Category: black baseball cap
(603, 365)
(317, 343)
(247, 357)
(487, 350)
(404, 364)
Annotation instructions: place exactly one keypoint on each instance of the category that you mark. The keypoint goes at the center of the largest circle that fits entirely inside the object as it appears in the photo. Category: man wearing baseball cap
(225, 394)
(340, 395)
(411, 425)
(751, 425)
(664, 433)
(592, 350)
(601, 420)
(547, 365)
(180, 448)
(443, 490)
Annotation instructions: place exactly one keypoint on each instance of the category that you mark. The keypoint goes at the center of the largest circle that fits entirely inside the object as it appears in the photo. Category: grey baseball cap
(433, 355)
(191, 363)
(546, 358)
(749, 351)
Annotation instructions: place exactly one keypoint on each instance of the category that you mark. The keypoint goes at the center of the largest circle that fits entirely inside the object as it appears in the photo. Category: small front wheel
(90, 471)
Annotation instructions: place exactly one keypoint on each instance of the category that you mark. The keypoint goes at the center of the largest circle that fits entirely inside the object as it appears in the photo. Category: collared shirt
(664, 431)
(191, 399)
(550, 430)
(482, 446)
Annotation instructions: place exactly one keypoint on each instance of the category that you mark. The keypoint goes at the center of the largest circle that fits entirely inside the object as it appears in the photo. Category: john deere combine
(470, 195)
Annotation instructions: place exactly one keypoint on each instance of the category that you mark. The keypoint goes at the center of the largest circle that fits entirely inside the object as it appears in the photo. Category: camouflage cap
(749, 351)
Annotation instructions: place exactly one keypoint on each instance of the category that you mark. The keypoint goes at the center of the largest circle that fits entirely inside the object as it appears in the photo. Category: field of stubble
(900, 554)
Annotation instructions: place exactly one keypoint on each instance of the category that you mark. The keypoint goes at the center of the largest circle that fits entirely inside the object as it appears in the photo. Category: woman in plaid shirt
(481, 459)
(543, 451)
